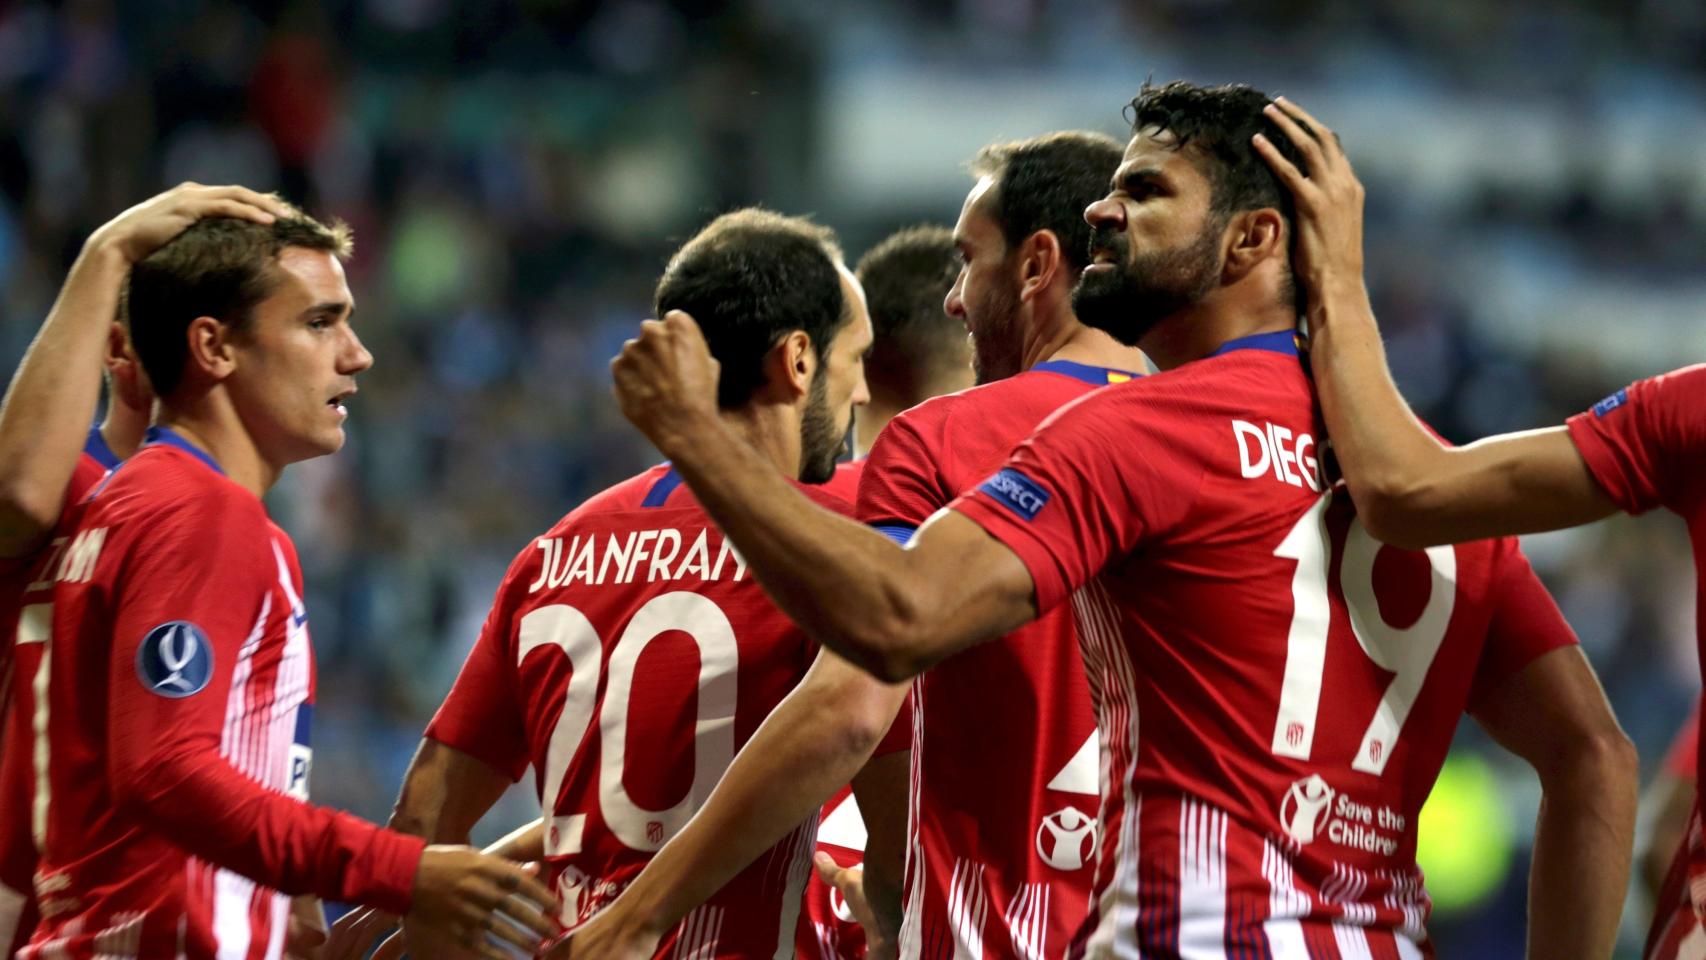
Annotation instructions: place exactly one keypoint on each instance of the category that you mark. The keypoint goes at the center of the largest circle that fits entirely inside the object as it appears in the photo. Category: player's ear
(212, 353)
(791, 363)
(1252, 237)
(125, 377)
(1039, 261)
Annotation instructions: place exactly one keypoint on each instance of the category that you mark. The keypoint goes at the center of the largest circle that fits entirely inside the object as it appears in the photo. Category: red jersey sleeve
(1099, 476)
(482, 716)
(1683, 758)
(1646, 444)
(901, 486)
(1526, 623)
(203, 575)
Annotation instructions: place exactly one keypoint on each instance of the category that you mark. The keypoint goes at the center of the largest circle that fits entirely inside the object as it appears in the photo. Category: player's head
(258, 314)
(785, 319)
(919, 351)
(1023, 238)
(1192, 209)
(126, 382)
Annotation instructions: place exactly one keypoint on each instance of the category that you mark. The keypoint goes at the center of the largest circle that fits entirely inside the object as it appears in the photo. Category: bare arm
(445, 793)
(815, 740)
(1554, 715)
(51, 401)
(892, 610)
(881, 789)
(1410, 490)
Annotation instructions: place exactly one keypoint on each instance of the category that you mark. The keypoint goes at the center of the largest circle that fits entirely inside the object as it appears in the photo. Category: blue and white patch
(1611, 403)
(301, 754)
(1016, 492)
(175, 660)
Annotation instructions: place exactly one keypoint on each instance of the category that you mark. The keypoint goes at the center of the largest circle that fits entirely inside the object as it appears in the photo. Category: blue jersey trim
(661, 490)
(1094, 376)
(900, 533)
(1280, 341)
(165, 435)
(96, 446)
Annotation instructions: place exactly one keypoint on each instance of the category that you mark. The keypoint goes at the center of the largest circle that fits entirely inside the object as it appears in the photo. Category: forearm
(523, 844)
(881, 789)
(52, 398)
(803, 752)
(848, 586)
(1581, 858)
(444, 793)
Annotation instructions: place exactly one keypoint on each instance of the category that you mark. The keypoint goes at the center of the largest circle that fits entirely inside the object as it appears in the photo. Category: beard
(821, 442)
(1128, 302)
(996, 344)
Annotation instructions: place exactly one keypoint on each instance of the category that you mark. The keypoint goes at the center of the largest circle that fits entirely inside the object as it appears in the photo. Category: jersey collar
(1094, 376)
(1279, 341)
(96, 447)
(165, 436)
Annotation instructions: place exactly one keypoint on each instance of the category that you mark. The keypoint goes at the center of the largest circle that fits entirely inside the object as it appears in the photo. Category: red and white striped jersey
(1002, 832)
(17, 849)
(627, 657)
(827, 930)
(164, 685)
(1276, 690)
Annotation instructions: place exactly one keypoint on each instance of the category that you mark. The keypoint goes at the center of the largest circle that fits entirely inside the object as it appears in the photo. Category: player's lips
(337, 401)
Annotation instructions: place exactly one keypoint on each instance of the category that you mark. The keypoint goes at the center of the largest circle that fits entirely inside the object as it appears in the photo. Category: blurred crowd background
(517, 172)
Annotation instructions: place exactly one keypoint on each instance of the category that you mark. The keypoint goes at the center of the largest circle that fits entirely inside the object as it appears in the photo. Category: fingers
(391, 949)
(1314, 162)
(523, 912)
(1283, 168)
(519, 886)
(827, 869)
(1328, 140)
(500, 926)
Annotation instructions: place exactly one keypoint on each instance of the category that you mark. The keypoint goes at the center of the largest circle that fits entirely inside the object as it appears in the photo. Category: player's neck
(123, 428)
(1197, 331)
(214, 429)
(868, 422)
(1095, 348)
(772, 429)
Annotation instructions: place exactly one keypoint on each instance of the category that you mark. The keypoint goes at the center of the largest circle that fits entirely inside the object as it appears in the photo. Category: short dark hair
(220, 267)
(1217, 123)
(750, 278)
(906, 279)
(1045, 183)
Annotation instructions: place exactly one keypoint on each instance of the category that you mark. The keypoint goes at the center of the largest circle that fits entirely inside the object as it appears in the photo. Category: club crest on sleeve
(1611, 403)
(1016, 492)
(175, 660)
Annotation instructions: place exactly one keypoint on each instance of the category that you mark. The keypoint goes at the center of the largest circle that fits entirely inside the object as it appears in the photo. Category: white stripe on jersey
(279, 926)
(1286, 904)
(1113, 693)
(968, 908)
(234, 744)
(122, 940)
(1352, 941)
(1346, 888)
(1027, 921)
(233, 894)
(697, 936)
(1202, 881)
(798, 852)
(912, 917)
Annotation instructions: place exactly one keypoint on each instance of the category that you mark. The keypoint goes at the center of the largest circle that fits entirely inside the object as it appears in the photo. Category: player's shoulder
(162, 485)
(652, 487)
(1685, 386)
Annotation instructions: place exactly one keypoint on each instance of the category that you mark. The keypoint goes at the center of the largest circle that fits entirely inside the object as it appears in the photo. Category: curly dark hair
(750, 278)
(1216, 123)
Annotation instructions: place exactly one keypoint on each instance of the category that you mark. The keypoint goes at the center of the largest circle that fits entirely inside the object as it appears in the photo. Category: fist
(666, 381)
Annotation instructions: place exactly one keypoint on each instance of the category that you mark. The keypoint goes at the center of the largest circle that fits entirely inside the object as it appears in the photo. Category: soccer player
(918, 351)
(163, 651)
(1640, 448)
(629, 652)
(50, 456)
(1275, 693)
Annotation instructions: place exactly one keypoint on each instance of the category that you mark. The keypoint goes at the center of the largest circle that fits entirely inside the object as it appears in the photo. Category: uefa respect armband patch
(175, 660)
(1611, 403)
(1016, 492)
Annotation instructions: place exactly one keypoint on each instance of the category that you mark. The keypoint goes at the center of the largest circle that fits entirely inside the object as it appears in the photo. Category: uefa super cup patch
(1016, 492)
(1611, 403)
(175, 659)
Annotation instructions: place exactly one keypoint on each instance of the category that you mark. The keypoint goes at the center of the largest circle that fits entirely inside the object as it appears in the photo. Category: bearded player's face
(297, 360)
(985, 295)
(838, 385)
(1156, 244)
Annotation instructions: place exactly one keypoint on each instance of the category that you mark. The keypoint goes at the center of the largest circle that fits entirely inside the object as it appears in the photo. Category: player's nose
(954, 303)
(355, 357)
(1106, 212)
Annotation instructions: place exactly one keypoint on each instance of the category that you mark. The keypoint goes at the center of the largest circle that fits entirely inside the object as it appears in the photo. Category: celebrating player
(163, 653)
(917, 352)
(50, 456)
(629, 653)
(1282, 663)
(1640, 448)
